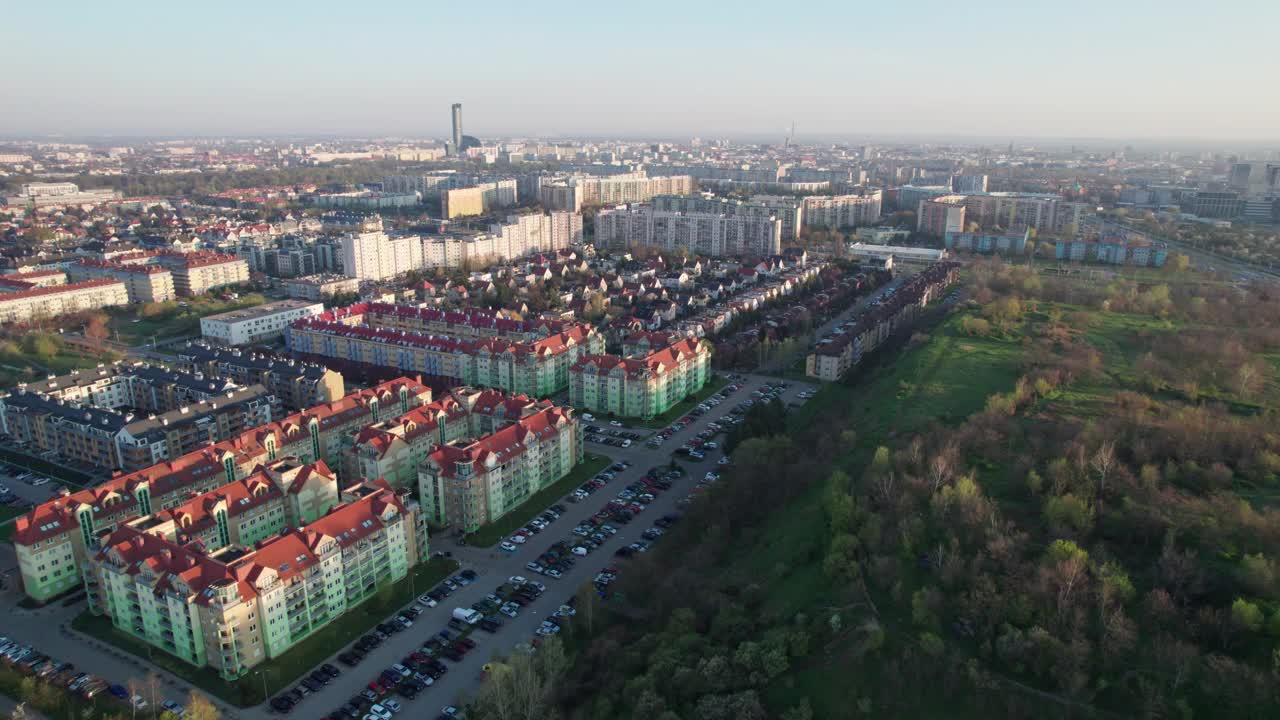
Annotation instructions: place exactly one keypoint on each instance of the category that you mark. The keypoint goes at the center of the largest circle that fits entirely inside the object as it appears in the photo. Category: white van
(470, 617)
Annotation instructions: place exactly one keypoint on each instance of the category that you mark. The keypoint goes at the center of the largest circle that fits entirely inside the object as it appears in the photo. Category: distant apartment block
(788, 211)
(518, 236)
(616, 190)
(260, 324)
(842, 211)
(318, 287)
(50, 301)
(465, 484)
(40, 194)
(643, 385)
(1111, 251)
(379, 256)
(1010, 242)
(468, 348)
(145, 283)
(561, 196)
(17, 282)
(481, 199)
(941, 216)
(710, 234)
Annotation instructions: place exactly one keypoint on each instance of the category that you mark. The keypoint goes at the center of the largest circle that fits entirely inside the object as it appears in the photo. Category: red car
(376, 688)
(467, 642)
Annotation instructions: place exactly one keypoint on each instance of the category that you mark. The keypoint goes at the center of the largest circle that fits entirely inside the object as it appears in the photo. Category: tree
(96, 331)
(200, 708)
(1103, 462)
(1246, 615)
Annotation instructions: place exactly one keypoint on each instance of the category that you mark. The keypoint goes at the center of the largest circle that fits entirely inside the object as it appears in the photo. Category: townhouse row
(836, 354)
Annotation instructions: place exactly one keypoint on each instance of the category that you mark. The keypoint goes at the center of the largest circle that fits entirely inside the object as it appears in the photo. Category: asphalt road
(46, 629)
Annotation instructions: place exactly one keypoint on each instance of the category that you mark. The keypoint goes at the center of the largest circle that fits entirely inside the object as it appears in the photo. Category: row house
(836, 354)
(295, 384)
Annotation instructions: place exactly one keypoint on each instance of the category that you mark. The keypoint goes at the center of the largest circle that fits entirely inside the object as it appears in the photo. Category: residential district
(235, 417)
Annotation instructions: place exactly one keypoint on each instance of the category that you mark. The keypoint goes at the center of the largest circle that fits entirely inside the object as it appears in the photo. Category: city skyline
(990, 70)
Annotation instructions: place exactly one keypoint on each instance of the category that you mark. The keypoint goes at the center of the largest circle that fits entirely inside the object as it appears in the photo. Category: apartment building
(481, 199)
(842, 211)
(1111, 251)
(260, 324)
(941, 216)
(533, 233)
(394, 448)
(465, 484)
(69, 527)
(622, 190)
(145, 283)
(836, 354)
(466, 348)
(113, 440)
(788, 211)
(709, 234)
(378, 256)
(199, 272)
(52, 301)
(318, 287)
(295, 384)
(232, 608)
(643, 385)
(561, 196)
(1010, 242)
(15, 282)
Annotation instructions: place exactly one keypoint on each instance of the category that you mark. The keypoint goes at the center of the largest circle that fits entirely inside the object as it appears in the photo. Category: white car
(40, 481)
(580, 551)
(615, 423)
(380, 712)
(392, 705)
(426, 601)
(507, 546)
(588, 417)
(566, 611)
(510, 611)
(517, 580)
(518, 539)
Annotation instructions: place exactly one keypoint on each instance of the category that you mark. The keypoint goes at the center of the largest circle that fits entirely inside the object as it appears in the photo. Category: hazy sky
(1121, 68)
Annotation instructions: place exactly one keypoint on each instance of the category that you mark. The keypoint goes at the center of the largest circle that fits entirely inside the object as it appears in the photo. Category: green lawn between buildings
(713, 386)
(490, 534)
(284, 671)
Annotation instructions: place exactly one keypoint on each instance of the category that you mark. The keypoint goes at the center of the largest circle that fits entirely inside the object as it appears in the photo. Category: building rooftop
(260, 311)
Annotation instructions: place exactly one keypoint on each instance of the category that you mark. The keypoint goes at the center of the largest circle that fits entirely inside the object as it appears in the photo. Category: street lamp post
(263, 673)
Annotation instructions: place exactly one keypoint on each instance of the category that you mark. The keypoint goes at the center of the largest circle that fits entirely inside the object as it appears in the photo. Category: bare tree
(1103, 462)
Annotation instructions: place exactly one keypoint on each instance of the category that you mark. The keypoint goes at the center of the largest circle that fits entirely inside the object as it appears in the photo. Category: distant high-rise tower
(457, 127)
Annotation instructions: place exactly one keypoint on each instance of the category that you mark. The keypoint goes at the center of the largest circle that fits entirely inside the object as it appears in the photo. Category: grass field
(134, 325)
(490, 534)
(302, 658)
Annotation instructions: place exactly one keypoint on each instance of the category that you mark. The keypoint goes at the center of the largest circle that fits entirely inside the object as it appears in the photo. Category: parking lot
(525, 589)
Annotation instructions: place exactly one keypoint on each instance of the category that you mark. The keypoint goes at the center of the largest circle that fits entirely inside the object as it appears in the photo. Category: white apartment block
(617, 191)
(709, 234)
(45, 302)
(378, 256)
(263, 323)
(840, 211)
